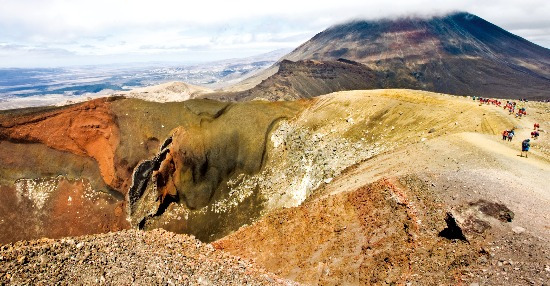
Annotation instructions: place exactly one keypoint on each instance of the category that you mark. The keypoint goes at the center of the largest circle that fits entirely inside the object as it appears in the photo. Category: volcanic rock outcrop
(201, 167)
(105, 153)
(57, 175)
(87, 129)
(328, 189)
(178, 187)
(382, 233)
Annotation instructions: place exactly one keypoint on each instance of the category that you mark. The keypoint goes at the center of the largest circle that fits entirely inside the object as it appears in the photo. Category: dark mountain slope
(458, 54)
(305, 79)
(458, 35)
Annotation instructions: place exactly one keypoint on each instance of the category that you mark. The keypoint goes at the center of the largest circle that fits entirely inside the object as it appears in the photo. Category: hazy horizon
(61, 33)
(149, 64)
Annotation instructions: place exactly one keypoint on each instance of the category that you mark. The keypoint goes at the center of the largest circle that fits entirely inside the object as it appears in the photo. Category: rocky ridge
(127, 257)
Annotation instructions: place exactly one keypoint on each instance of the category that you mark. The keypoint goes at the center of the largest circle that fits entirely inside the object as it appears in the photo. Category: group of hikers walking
(519, 110)
(483, 100)
(525, 144)
(535, 133)
(513, 107)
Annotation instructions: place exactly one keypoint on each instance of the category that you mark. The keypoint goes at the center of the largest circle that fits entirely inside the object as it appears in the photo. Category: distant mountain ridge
(458, 54)
(30, 87)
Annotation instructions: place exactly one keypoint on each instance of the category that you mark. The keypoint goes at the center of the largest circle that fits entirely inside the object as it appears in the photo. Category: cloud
(201, 30)
(33, 50)
(16, 55)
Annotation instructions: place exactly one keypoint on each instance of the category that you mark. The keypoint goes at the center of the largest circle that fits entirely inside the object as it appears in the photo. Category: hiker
(504, 135)
(536, 135)
(525, 145)
(510, 135)
(536, 126)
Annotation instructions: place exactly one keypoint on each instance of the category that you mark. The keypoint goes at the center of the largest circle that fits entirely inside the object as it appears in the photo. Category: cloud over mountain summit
(86, 32)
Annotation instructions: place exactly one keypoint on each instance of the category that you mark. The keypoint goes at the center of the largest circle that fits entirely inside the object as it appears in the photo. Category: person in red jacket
(504, 134)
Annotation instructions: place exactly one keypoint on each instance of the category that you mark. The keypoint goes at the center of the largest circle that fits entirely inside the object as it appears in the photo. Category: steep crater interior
(176, 188)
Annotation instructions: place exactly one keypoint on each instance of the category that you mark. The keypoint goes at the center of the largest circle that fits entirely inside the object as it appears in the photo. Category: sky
(54, 33)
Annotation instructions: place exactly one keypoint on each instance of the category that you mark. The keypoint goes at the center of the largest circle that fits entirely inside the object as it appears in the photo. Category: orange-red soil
(87, 129)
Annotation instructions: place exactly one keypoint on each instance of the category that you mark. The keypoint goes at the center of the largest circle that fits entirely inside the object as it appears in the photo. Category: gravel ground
(518, 259)
(128, 257)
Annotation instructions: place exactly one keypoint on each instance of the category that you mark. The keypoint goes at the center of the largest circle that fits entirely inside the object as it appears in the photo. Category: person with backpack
(511, 135)
(525, 145)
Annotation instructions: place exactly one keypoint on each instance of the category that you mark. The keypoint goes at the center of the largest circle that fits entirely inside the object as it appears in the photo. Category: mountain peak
(456, 34)
(457, 53)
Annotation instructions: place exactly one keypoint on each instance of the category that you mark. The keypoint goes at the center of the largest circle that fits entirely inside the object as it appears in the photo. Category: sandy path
(469, 166)
(489, 145)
